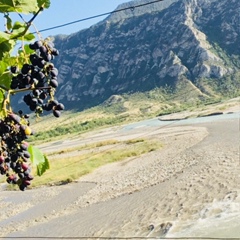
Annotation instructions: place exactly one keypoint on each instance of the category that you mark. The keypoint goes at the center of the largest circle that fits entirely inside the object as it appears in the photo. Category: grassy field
(70, 164)
(67, 167)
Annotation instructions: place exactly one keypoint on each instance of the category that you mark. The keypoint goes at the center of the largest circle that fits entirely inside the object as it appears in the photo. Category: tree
(30, 71)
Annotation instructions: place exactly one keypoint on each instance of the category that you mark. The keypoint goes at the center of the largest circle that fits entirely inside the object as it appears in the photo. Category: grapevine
(31, 71)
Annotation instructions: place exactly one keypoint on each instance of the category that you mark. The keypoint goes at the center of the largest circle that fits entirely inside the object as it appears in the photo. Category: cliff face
(148, 47)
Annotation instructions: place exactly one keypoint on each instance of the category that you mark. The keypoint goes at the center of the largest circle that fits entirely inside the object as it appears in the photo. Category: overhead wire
(99, 15)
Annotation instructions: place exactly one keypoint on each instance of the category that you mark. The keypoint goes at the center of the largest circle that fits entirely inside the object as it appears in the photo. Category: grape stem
(29, 23)
(26, 89)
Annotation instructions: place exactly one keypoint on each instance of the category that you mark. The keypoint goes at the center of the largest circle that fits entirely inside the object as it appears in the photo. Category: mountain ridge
(152, 49)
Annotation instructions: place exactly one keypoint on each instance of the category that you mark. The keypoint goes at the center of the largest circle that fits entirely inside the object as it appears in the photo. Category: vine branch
(29, 23)
(26, 89)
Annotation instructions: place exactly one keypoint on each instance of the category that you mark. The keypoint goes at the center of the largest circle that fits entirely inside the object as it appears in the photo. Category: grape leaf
(17, 30)
(3, 67)
(38, 159)
(27, 49)
(5, 80)
(4, 37)
(21, 6)
(46, 3)
(28, 37)
(6, 47)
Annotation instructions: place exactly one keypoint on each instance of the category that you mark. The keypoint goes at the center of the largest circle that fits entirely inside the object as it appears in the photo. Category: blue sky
(63, 11)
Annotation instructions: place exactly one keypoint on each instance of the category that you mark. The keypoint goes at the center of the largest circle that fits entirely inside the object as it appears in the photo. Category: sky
(64, 11)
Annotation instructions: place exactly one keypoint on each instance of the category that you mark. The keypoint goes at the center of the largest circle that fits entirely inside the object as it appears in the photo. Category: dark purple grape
(34, 101)
(26, 182)
(14, 157)
(20, 77)
(56, 113)
(53, 103)
(36, 92)
(54, 72)
(40, 76)
(13, 69)
(34, 59)
(43, 95)
(26, 154)
(40, 101)
(14, 83)
(41, 62)
(29, 177)
(27, 99)
(21, 175)
(43, 50)
(24, 146)
(26, 80)
(32, 46)
(32, 107)
(14, 117)
(47, 57)
(26, 68)
(53, 83)
(60, 106)
(47, 107)
(22, 187)
(38, 44)
(54, 52)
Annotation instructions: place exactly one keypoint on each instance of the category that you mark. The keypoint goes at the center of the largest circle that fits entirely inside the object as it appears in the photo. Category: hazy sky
(63, 11)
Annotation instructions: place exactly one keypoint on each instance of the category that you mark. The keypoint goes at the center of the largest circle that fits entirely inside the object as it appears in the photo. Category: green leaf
(6, 47)
(18, 29)
(3, 67)
(20, 6)
(5, 80)
(28, 37)
(46, 3)
(4, 37)
(38, 159)
(27, 49)
(18, 25)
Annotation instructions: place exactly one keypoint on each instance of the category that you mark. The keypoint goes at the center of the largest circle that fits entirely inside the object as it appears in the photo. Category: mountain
(189, 43)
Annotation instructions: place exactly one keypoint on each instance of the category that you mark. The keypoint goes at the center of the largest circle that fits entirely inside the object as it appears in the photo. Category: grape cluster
(14, 155)
(40, 77)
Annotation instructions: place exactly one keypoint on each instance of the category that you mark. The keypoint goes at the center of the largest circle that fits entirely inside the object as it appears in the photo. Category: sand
(192, 181)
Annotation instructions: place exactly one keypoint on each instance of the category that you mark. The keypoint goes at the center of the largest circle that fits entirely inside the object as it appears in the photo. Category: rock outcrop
(143, 48)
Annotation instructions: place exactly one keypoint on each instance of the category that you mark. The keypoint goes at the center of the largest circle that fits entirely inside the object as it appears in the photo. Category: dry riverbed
(192, 180)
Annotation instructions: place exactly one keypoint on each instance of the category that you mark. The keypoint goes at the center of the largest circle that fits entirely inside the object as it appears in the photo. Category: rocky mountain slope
(161, 44)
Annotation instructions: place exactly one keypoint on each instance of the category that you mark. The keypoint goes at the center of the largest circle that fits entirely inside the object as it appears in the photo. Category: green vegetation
(63, 171)
(137, 106)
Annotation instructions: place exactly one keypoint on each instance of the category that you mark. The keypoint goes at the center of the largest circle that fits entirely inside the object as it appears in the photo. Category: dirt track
(180, 184)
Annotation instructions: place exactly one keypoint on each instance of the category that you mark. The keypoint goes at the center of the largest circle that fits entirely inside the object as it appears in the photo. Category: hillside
(184, 48)
(190, 44)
